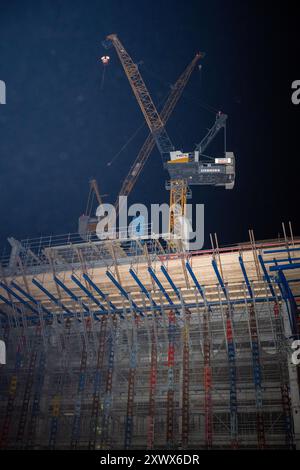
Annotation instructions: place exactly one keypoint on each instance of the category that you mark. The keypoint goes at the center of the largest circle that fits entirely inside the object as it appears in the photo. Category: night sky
(59, 128)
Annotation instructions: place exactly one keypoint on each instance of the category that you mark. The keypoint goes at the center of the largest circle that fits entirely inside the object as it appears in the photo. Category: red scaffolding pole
(208, 418)
(170, 393)
(186, 382)
(152, 391)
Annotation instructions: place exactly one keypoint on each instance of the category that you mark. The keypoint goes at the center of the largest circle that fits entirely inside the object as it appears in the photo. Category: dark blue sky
(59, 128)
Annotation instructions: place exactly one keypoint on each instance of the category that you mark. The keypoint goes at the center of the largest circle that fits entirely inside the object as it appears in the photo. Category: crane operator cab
(196, 168)
(199, 170)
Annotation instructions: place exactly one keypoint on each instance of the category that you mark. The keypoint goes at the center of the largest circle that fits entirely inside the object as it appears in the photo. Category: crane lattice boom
(143, 97)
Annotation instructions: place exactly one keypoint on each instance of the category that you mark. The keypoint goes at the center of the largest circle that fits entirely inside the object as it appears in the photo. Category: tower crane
(149, 143)
(184, 169)
(87, 224)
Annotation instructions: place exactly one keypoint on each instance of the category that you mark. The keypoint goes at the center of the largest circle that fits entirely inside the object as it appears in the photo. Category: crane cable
(126, 144)
(90, 202)
(160, 105)
(203, 105)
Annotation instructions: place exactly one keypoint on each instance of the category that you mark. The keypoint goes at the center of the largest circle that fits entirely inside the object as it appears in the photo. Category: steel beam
(88, 293)
(170, 281)
(31, 298)
(51, 296)
(245, 276)
(70, 293)
(142, 286)
(20, 299)
(99, 291)
(161, 287)
(266, 274)
(124, 293)
(219, 277)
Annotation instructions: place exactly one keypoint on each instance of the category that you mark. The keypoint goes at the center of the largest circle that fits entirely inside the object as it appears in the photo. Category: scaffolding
(135, 344)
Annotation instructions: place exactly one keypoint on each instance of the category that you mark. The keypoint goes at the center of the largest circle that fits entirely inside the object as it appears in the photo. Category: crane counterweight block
(220, 172)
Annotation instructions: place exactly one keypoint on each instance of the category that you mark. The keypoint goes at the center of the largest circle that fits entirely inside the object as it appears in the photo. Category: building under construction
(139, 344)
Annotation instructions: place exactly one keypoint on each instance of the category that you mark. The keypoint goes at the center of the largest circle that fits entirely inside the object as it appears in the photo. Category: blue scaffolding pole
(75, 433)
(130, 397)
(35, 411)
(142, 286)
(163, 290)
(99, 291)
(245, 276)
(10, 304)
(57, 302)
(290, 302)
(152, 308)
(231, 352)
(170, 281)
(31, 298)
(88, 293)
(219, 277)
(70, 293)
(97, 385)
(28, 388)
(257, 372)
(123, 292)
(266, 275)
(20, 299)
(198, 285)
(108, 387)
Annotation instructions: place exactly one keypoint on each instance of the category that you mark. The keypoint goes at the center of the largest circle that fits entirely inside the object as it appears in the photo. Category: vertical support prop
(207, 379)
(257, 376)
(232, 379)
(186, 381)
(170, 393)
(284, 387)
(75, 434)
(11, 398)
(28, 388)
(152, 389)
(108, 387)
(97, 385)
(32, 425)
(57, 397)
(131, 385)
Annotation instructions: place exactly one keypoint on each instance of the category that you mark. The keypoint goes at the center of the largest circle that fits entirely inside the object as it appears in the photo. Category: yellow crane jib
(148, 108)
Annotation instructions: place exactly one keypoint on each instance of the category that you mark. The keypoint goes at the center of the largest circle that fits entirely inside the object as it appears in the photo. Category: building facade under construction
(139, 344)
